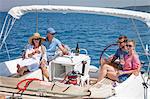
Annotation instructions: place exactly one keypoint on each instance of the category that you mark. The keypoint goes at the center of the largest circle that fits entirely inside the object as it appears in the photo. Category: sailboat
(32, 84)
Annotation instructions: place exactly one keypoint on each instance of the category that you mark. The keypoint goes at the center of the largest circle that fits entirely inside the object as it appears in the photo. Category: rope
(66, 89)
(29, 80)
(70, 80)
(65, 77)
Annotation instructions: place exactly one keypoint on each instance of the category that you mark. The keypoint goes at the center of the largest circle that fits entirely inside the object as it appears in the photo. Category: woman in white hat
(35, 56)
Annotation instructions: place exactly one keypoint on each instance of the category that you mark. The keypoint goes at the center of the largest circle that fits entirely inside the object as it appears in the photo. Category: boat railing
(148, 54)
(8, 52)
(82, 50)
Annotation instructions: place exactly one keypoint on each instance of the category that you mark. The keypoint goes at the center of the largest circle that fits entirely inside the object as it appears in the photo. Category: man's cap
(51, 31)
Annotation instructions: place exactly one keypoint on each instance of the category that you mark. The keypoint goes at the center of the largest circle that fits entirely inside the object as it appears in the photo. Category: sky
(5, 5)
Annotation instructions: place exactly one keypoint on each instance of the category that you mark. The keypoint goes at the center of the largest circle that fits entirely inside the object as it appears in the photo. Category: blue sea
(92, 32)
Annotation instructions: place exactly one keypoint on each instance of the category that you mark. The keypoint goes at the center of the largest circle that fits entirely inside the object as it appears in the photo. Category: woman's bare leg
(18, 68)
(112, 75)
(22, 70)
(102, 72)
(102, 62)
(45, 72)
(107, 70)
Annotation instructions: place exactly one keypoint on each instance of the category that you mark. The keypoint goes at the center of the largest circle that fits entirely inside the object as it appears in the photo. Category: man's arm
(115, 56)
(113, 59)
(63, 49)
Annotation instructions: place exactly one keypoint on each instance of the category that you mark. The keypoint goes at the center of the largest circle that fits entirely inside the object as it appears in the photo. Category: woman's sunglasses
(129, 45)
(37, 39)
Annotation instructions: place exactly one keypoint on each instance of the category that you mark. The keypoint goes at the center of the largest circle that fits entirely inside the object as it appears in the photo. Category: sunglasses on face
(122, 41)
(37, 39)
(122, 37)
(129, 46)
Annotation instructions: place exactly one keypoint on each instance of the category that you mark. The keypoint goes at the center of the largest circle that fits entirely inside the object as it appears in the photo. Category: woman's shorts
(123, 77)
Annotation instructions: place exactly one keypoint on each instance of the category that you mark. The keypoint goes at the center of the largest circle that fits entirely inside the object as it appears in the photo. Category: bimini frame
(17, 12)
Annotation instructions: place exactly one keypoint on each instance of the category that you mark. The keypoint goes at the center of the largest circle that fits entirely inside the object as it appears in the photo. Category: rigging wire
(48, 2)
(145, 82)
(36, 21)
(48, 20)
(139, 37)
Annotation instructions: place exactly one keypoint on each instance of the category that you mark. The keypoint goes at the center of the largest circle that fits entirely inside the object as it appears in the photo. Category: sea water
(92, 32)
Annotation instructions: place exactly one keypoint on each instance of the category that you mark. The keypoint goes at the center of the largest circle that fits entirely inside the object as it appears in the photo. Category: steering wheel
(100, 59)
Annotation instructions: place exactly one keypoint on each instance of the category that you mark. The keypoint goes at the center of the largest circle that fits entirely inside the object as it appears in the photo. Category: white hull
(132, 88)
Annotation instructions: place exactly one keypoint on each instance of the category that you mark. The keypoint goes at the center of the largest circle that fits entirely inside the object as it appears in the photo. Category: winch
(71, 78)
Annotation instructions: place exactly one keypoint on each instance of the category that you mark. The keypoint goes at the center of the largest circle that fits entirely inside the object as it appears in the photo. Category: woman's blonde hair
(133, 41)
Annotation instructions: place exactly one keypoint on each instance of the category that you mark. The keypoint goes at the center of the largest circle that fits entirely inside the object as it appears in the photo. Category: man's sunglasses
(122, 41)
